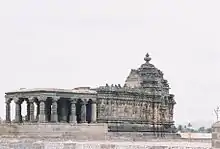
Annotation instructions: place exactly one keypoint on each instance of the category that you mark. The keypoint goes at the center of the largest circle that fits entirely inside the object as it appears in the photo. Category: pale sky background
(66, 44)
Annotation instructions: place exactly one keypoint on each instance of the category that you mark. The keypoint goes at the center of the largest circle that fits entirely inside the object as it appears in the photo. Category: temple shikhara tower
(142, 104)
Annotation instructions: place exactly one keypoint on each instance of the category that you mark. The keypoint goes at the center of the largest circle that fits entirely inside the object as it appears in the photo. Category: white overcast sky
(65, 44)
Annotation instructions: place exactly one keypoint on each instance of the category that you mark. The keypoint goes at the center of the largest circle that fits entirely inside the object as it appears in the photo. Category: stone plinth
(64, 131)
(84, 136)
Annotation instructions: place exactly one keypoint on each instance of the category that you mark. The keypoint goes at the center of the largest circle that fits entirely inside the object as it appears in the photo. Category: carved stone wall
(124, 110)
(123, 105)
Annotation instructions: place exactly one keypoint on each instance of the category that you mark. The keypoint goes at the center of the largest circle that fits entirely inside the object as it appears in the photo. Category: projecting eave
(53, 90)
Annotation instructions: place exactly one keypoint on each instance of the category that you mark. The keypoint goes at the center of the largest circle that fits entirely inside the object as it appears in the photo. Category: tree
(217, 110)
(189, 128)
(189, 125)
(201, 129)
(180, 128)
(209, 130)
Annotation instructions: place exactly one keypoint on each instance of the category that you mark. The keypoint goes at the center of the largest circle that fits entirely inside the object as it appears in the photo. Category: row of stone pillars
(54, 109)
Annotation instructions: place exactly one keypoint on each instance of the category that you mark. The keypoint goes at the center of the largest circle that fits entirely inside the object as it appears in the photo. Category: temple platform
(79, 132)
(53, 131)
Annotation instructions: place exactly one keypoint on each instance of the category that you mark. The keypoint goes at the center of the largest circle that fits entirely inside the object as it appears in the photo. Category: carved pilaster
(93, 113)
(143, 111)
(99, 109)
(151, 112)
(155, 113)
(171, 112)
(83, 111)
(159, 113)
(72, 117)
(54, 115)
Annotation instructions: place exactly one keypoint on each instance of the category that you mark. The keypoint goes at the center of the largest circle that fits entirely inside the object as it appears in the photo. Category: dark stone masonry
(143, 104)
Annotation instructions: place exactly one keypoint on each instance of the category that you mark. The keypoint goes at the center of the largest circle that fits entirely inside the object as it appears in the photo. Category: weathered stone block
(217, 144)
(214, 135)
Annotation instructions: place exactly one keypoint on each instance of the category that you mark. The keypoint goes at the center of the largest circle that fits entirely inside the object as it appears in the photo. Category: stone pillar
(54, 115)
(32, 118)
(42, 115)
(18, 117)
(38, 111)
(93, 112)
(8, 112)
(31, 108)
(27, 117)
(83, 111)
(48, 110)
(63, 111)
(72, 117)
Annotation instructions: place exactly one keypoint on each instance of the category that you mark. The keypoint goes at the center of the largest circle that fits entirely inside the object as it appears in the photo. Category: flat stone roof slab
(78, 90)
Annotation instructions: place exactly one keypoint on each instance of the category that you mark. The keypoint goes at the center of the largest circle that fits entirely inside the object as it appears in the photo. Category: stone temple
(142, 104)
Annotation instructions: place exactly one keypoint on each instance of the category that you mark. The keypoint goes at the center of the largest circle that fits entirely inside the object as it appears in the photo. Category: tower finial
(147, 58)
